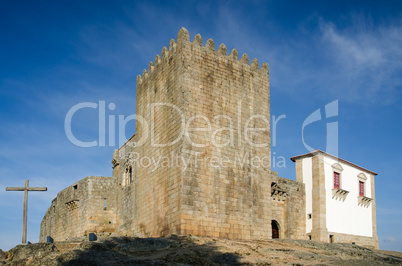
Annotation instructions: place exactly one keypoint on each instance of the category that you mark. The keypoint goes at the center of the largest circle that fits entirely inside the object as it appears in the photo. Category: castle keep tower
(206, 118)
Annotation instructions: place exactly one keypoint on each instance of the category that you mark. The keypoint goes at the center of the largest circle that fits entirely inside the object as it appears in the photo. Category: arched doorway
(275, 229)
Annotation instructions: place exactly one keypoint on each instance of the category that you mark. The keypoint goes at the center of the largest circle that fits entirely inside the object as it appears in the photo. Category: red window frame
(361, 188)
(337, 183)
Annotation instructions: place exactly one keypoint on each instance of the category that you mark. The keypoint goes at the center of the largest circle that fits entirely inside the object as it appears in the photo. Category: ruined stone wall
(288, 207)
(80, 209)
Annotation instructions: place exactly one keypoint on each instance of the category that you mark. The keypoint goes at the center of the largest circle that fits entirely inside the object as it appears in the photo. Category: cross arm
(24, 188)
(15, 188)
(37, 189)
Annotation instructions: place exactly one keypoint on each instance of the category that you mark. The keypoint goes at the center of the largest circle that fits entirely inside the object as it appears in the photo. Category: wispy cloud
(365, 62)
(361, 50)
(390, 239)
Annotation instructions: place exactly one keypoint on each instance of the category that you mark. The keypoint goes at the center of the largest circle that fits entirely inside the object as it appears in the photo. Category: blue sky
(57, 54)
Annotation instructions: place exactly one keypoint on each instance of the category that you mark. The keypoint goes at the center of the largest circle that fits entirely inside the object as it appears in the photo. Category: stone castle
(205, 117)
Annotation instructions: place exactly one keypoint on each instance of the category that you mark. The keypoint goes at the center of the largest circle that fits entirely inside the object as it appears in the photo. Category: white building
(340, 199)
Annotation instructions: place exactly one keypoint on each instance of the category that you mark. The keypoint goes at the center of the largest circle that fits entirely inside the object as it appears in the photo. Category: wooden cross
(25, 215)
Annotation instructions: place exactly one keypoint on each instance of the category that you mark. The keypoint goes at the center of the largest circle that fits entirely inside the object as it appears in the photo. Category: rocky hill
(191, 250)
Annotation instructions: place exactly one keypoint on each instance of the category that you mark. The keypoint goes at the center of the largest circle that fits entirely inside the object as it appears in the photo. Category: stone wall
(364, 241)
(124, 173)
(217, 198)
(84, 207)
(199, 87)
(288, 207)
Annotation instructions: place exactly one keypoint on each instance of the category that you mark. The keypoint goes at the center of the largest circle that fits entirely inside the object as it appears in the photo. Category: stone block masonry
(288, 207)
(200, 87)
(87, 206)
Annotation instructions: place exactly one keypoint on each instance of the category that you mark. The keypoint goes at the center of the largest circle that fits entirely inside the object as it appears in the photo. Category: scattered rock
(193, 238)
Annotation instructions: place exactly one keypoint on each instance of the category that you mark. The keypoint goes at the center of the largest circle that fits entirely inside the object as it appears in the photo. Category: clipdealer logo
(330, 110)
(231, 132)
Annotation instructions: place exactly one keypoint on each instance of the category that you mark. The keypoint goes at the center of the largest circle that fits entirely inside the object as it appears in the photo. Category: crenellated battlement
(183, 41)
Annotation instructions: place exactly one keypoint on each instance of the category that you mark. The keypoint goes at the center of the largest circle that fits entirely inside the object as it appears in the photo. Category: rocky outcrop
(191, 250)
(3, 255)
